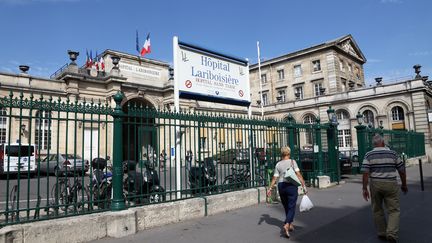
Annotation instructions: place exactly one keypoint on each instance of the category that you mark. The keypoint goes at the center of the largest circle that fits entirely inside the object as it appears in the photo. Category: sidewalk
(340, 215)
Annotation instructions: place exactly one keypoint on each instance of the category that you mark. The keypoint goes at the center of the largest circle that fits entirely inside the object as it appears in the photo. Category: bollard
(421, 175)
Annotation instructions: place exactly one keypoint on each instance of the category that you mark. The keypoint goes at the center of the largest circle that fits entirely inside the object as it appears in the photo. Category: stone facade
(401, 105)
(304, 83)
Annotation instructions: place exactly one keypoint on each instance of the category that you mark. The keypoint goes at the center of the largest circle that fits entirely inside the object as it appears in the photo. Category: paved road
(30, 188)
(340, 215)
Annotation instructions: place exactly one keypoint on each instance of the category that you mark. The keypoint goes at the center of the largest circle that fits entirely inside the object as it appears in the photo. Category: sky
(392, 34)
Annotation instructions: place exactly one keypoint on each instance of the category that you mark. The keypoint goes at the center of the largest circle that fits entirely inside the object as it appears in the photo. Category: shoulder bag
(291, 177)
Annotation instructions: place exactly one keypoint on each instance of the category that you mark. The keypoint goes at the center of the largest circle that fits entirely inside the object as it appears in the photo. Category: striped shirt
(381, 163)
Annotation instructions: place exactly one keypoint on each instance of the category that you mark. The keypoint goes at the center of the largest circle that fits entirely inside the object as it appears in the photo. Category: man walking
(380, 165)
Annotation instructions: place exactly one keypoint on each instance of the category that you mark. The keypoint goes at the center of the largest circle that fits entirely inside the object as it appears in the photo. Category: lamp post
(332, 116)
(118, 202)
(361, 141)
(318, 146)
(291, 132)
(333, 142)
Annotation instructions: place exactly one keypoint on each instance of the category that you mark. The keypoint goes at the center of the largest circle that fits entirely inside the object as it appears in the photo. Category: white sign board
(430, 116)
(206, 75)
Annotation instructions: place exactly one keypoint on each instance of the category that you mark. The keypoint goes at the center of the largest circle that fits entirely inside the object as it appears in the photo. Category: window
(316, 65)
(265, 98)
(397, 113)
(357, 72)
(350, 68)
(342, 115)
(344, 138)
(264, 78)
(343, 84)
(3, 125)
(318, 87)
(282, 95)
(368, 118)
(43, 129)
(342, 66)
(281, 74)
(297, 71)
(299, 92)
(309, 119)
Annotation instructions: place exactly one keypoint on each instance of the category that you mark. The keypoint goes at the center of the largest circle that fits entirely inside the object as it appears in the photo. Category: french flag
(147, 47)
(102, 63)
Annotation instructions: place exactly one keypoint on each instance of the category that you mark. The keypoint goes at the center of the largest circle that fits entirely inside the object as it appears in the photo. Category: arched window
(342, 115)
(43, 129)
(309, 119)
(368, 118)
(397, 113)
(3, 125)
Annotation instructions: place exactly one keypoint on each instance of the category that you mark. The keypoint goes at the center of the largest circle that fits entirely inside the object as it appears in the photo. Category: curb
(84, 228)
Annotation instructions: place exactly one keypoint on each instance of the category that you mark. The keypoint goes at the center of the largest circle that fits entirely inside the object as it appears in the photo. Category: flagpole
(137, 48)
(177, 109)
(261, 95)
(260, 81)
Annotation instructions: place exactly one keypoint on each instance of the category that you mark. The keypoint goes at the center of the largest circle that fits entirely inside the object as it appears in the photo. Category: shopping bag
(291, 177)
(305, 204)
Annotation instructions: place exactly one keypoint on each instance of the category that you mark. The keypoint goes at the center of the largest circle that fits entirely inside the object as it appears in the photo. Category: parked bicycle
(65, 195)
(241, 178)
(100, 188)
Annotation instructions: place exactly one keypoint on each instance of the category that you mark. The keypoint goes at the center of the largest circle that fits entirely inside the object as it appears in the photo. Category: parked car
(60, 164)
(238, 156)
(345, 163)
(307, 159)
(17, 157)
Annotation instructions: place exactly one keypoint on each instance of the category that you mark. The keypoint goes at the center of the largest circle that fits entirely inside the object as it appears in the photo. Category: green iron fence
(405, 142)
(67, 158)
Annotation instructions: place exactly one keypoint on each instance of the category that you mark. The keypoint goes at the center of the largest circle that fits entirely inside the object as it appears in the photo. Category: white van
(16, 158)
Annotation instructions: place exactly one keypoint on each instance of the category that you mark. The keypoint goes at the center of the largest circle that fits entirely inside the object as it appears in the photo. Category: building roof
(345, 43)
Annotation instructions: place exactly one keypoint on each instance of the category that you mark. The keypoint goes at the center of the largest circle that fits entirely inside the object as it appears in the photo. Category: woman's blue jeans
(288, 194)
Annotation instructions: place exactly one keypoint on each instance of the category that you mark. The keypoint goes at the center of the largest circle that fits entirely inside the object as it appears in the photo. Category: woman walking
(288, 192)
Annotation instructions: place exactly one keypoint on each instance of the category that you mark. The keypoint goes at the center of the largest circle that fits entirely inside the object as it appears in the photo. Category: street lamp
(359, 118)
(332, 116)
(381, 124)
(290, 118)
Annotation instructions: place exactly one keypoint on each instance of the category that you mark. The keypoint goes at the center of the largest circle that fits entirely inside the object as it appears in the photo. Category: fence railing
(410, 143)
(62, 158)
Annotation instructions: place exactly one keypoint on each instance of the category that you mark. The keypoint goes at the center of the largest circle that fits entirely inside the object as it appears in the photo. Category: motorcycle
(203, 178)
(100, 188)
(142, 186)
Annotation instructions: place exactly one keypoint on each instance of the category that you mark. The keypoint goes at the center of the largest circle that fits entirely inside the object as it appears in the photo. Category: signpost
(206, 75)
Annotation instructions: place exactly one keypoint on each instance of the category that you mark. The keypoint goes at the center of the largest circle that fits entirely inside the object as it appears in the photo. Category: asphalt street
(340, 215)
